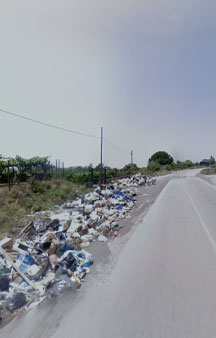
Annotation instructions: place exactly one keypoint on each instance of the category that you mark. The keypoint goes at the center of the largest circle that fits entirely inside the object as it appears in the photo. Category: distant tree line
(161, 160)
(19, 169)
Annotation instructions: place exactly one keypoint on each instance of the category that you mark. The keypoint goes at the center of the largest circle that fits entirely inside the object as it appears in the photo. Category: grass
(16, 204)
(161, 172)
(209, 171)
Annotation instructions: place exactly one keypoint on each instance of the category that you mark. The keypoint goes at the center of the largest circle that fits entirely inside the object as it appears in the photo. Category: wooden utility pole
(131, 162)
(101, 163)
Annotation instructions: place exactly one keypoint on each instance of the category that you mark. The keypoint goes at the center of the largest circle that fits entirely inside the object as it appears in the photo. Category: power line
(116, 147)
(47, 124)
(62, 129)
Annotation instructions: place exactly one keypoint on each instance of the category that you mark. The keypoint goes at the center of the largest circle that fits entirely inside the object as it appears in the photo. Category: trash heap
(49, 255)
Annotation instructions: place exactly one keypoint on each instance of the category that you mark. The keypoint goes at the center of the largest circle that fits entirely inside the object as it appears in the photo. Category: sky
(143, 70)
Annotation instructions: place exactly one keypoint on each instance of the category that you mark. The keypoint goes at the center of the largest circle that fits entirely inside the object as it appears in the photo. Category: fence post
(63, 169)
(101, 163)
(19, 168)
(9, 175)
(13, 175)
(37, 171)
(105, 175)
(92, 175)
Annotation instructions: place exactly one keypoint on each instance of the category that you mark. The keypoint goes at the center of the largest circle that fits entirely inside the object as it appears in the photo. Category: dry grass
(30, 197)
(160, 173)
(209, 171)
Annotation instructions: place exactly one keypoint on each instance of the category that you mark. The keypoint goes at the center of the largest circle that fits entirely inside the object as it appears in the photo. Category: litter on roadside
(49, 255)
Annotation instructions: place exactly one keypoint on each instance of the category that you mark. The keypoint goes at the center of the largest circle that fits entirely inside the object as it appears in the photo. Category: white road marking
(205, 228)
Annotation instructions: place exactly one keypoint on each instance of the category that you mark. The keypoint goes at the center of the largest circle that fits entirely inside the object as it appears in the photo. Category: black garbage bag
(4, 283)
(2, 296)
(64, 246)
(16, 302)
(61, 283)
(70, 261)
(61, 269)
(58, 286)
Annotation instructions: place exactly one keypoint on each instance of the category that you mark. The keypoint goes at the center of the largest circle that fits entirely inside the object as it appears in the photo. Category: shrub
(153, 167)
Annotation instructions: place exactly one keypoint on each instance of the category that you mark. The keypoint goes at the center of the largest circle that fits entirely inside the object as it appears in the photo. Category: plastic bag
(62, 247)
(16, 302)
(70, 261)
(4, 283)
(61, 283)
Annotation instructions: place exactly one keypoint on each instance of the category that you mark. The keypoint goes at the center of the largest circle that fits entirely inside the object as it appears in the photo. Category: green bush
(37, 186)
(170, 167)
(153, 167)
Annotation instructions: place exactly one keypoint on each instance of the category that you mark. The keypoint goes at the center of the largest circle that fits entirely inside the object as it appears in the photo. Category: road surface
(163, 284)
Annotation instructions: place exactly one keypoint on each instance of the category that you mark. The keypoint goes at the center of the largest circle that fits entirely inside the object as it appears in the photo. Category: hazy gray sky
(144, 70)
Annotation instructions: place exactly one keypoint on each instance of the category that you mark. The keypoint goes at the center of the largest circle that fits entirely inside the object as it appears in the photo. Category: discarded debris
(48, 257)
(4, 283)
(16, 302)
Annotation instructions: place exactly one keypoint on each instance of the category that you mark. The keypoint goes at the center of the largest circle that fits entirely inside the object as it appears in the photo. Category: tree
(161, 157)
(212, 160)
(97, 168)
(128, 166)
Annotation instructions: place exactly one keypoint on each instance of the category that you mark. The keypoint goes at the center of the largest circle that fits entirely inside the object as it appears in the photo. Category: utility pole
(131, 162)
(101, 163)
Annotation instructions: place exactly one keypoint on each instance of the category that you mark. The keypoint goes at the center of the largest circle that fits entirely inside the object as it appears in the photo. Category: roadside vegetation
(209, 171)
(38, 185)
(20, 170)
(31, 197)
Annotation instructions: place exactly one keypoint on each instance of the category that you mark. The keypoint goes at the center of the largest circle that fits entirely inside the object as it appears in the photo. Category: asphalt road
(163, 284)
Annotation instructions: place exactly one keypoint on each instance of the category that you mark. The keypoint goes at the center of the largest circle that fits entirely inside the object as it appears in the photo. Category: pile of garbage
(49, 254)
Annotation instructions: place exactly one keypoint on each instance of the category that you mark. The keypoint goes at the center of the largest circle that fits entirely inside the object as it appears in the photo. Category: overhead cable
(116, 147)
(47, 124)
(61, 128)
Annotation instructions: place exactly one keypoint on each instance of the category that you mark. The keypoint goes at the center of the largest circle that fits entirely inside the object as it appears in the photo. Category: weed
(31, 197)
